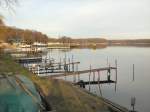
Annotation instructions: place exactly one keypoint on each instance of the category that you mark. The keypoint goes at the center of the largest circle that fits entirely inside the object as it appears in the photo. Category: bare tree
(8, 3)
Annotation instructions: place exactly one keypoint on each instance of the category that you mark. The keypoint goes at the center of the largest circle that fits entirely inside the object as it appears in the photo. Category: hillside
(9, 34)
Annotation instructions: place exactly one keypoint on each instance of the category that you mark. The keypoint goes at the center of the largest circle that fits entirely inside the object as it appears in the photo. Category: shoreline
(57, 91)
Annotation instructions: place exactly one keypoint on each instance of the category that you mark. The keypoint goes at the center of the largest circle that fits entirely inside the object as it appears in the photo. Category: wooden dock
(27, 52)
(67, 47)
(96, 82)
(83, 71)
(29, 60)
(82, 83)
(61, 64)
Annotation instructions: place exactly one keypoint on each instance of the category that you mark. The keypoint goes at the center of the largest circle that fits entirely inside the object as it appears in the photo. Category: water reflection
(126, 86)
(133, 101)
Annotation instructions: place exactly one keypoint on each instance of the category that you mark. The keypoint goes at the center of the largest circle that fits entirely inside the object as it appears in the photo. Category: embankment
(61, 95)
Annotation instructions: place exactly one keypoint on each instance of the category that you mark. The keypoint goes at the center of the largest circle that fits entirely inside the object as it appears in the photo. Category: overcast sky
(83, 18)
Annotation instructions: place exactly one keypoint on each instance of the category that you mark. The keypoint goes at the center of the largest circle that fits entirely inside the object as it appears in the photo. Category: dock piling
(93, 76)
(38, 70)
(69, 64)
(89, 78)
(116, 64)
(133, 72)
(99, 86)
(72, 64)
(78, 74)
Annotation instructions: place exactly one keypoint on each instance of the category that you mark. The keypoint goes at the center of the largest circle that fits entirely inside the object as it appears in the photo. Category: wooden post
(64, 63)
(60, 60)
(65, 56)
(133, 73)
(77, 72)
(90, 79)
(133, 101)
(38, 70)
(60, 64)
(93, 76)
(69, 64)
(116, 75)
(99, 83)
(107, 70)
(46, 70)
(65, 66)
(72, 64)
(108, 73)
(73, 67)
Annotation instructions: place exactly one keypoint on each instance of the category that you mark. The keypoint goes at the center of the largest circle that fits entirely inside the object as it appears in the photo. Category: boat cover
(16, 97)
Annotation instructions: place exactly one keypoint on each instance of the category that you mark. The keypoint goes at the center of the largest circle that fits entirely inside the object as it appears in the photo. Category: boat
(18, 94)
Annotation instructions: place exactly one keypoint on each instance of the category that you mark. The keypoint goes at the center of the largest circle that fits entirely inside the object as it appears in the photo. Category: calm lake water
(126, 88)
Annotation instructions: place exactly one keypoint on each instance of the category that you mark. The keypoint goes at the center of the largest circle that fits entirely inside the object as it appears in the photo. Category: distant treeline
(130, 42)
(100, 42)
(65, 39)
(80, 43)
(12, 34)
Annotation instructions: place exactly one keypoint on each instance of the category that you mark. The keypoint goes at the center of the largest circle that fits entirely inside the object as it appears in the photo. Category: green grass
(9, 66)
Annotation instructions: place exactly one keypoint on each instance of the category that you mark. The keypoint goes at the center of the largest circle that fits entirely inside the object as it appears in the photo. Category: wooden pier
(83, 71)
(91, 74)
(52, 69)
(37, 67)
(82, 83)
(29, 60)
(62, 64)
(51, 47)
(27, 52)
(95, 82)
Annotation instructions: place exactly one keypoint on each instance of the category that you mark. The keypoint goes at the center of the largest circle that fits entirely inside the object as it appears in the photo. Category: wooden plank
(83, 71)
(29, 60)
(59, 64)
(58, 47)
(63, 73)
(46, 72)
(96, 82)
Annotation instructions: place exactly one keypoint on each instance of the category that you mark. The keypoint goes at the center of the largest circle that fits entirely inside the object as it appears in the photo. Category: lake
(126, 87)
